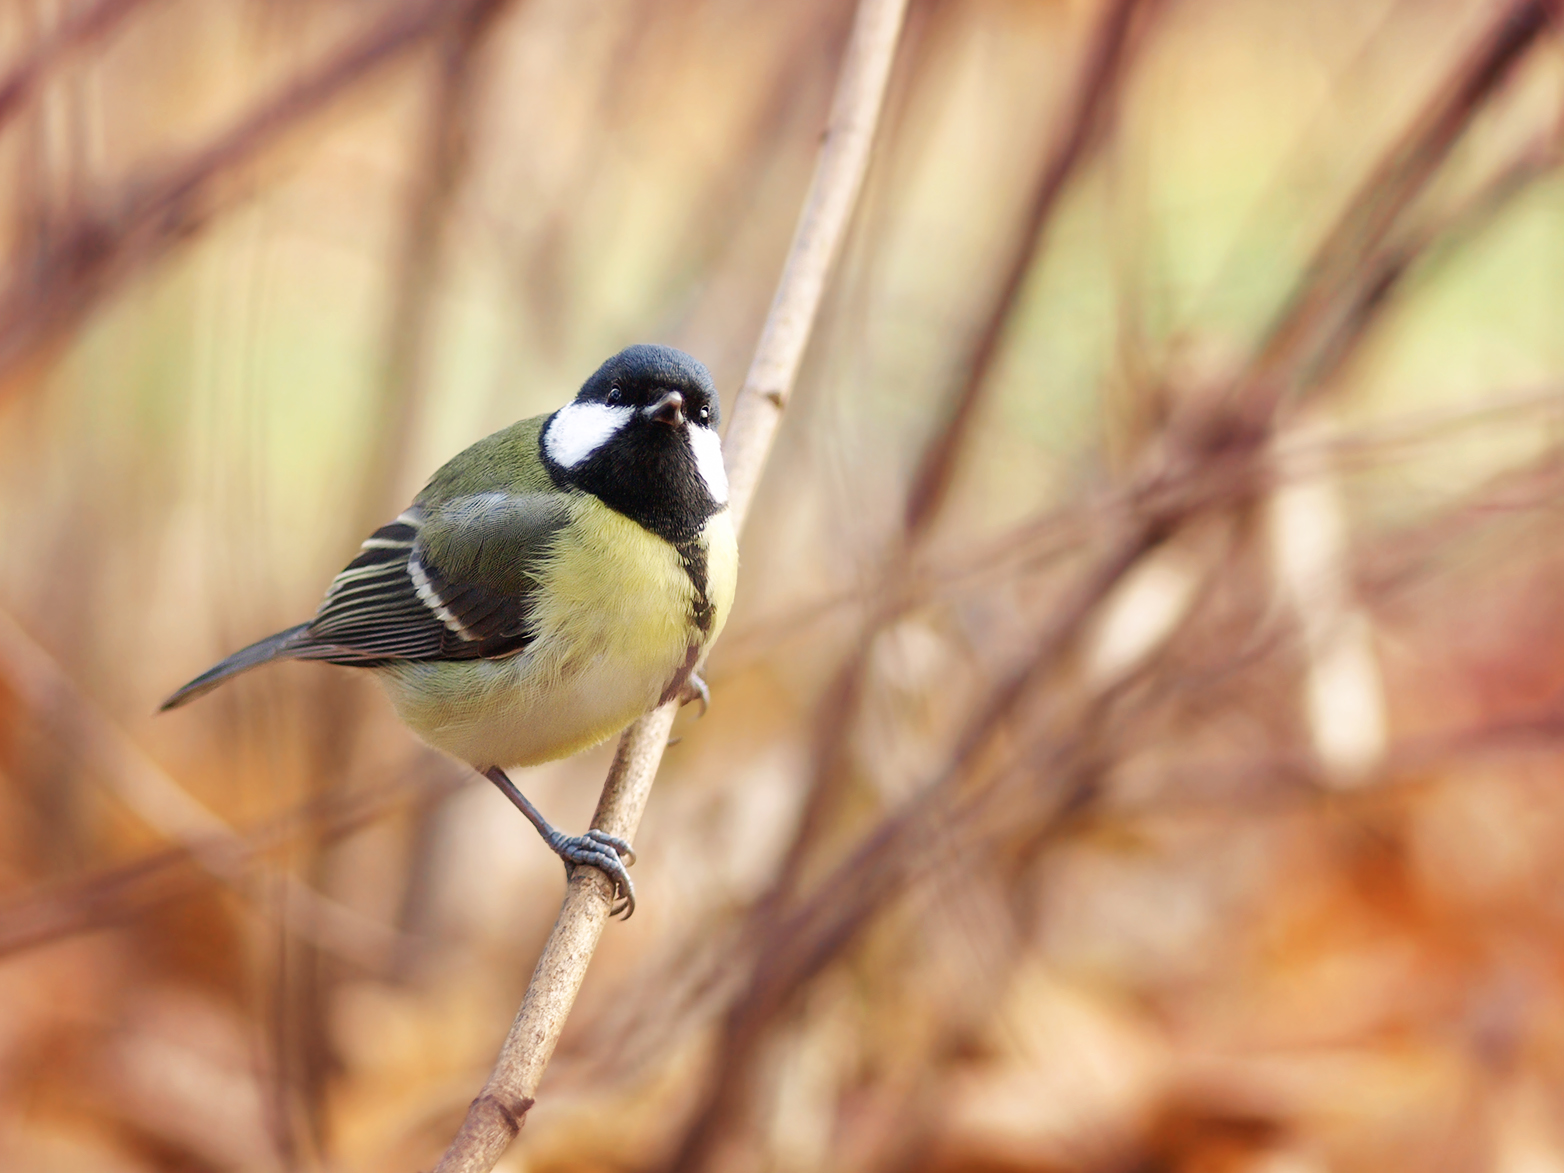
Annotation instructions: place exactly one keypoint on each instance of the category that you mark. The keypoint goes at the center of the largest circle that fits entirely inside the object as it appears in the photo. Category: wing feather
(449, 583)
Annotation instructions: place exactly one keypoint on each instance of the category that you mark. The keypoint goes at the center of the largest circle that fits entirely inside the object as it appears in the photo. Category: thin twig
(71, 33)
(1090, 120)
(839, 171)
(104, 246)
(501, 1107)
(1093, 106)
(440, 171)
(111, 896)
(1300, 337)
(1406, 254)
(161, 803)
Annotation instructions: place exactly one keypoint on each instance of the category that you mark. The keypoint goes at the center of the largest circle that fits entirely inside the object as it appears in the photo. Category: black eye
(705, 414)
(614, 395)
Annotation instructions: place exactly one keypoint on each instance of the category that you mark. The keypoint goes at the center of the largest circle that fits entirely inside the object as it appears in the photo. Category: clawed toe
(610, 855)
(620, 846)
(695, 690)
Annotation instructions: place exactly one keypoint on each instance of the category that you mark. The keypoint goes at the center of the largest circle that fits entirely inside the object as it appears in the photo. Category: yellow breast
(613, 588)
(613, 626)
(722, 569)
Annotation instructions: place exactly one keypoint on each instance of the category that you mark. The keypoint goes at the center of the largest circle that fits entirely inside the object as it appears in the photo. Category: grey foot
(695, 690)
(609, 854)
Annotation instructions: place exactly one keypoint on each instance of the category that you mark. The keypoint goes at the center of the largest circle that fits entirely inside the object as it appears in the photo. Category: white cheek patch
(708, 462)
(580, 429)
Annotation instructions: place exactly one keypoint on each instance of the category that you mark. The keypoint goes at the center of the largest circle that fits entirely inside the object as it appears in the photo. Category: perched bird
(549, 585)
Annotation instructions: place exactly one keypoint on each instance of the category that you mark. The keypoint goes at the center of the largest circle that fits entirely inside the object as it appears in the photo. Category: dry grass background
(1136, 747)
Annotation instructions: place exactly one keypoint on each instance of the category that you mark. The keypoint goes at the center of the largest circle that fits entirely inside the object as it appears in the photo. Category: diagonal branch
(71, 33)
(501, 1107)
(169, 809)
(1091, 117)
(106, 245)
(1089, 122)
(442, 168)
(1329, 290)
(112, 895)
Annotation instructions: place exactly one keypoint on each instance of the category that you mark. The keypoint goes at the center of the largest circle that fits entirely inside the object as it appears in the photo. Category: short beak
(668, 410)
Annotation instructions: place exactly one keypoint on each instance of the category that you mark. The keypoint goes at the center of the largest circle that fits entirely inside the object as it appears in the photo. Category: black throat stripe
(692, 556)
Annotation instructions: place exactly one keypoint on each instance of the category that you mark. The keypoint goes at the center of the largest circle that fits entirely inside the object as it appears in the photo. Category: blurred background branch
(84, 260)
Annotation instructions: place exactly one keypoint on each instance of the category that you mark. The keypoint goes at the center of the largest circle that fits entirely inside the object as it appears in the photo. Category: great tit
(548, 586)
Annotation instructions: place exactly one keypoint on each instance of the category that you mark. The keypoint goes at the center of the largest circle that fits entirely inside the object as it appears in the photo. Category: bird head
(641, 435)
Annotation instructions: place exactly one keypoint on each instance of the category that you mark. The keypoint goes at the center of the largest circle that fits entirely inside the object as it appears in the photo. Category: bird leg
(608, 853)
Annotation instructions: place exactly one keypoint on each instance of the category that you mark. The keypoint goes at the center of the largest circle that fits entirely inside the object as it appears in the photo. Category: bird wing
(454, 581)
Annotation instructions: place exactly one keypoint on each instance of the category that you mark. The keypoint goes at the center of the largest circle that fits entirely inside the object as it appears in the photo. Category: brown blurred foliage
(1136, 747)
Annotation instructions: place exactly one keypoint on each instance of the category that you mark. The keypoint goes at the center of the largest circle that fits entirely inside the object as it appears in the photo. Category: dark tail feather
(273, 647)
